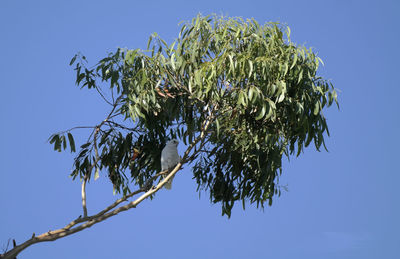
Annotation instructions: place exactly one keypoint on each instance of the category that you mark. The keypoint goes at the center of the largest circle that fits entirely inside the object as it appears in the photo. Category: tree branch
(111, 210)
(83, 193)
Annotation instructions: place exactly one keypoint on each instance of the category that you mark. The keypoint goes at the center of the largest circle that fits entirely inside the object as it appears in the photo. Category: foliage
(259, 92)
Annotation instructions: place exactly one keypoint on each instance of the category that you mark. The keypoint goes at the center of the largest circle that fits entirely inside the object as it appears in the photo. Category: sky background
(344, 203)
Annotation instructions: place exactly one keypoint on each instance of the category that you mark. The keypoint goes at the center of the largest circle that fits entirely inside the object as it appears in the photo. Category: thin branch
(71, 129)
(102, 96)
(120, 126)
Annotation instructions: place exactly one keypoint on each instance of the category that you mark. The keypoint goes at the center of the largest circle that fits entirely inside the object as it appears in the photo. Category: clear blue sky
(341, 204)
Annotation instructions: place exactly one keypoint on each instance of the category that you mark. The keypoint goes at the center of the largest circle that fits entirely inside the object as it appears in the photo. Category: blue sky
(341, 204)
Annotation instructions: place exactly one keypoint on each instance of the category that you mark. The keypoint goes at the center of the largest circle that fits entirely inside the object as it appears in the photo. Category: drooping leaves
(260, 91)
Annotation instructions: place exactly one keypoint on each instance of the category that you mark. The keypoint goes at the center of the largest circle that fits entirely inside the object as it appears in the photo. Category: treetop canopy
(240, 93)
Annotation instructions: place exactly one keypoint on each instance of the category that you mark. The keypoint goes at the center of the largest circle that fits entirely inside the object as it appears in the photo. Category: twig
(121, 126)
(8, 243)
(102, 95)
(79, 127)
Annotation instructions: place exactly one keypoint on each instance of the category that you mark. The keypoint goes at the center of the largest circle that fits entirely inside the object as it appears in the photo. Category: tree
(238, 94)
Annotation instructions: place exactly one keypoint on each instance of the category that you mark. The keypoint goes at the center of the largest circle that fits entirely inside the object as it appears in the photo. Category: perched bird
(169, 158)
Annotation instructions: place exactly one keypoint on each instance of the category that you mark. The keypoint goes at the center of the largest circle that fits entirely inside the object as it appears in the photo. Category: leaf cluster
(259, 91)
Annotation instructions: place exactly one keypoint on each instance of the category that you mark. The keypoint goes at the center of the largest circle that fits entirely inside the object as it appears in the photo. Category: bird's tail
(168, 184)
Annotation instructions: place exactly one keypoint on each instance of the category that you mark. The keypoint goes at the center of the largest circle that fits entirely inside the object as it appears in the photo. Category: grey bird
(169, 158)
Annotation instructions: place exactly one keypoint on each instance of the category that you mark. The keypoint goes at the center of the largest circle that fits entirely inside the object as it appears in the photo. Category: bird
(169, 158)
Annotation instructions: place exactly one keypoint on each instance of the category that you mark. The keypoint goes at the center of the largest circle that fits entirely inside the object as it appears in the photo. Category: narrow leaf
(71, 142)
(72, 60)
(218, 126)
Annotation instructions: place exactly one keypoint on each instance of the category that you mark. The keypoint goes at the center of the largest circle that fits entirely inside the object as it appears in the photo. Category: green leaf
(316, 108)
(85, 145)
(53, 138)
(197, 77)
(288, 35)
(281, 97)
(232, 67)
(218, 126)
(300, 76)
(262, 112)
(171, 48)
(190, 86)
(251, 92)
(241, 99)
(73, 60)
(163, 42)
(320, 60)
(138, 112)
(149, 42)
(294, 61)
(251, 68)
(71, 142)
(57, 144)
(282, 91)
(64, 142)
(286, 69)
(173, 61)
(271, 108)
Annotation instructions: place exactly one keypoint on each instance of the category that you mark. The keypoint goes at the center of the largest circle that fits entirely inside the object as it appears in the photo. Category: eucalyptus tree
(239, 95)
